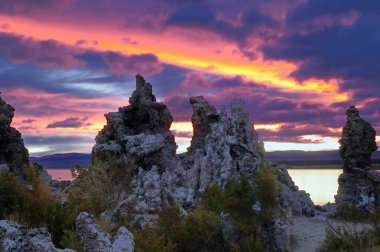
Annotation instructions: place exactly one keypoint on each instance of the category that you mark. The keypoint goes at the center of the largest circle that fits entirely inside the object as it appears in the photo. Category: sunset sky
(298, 65)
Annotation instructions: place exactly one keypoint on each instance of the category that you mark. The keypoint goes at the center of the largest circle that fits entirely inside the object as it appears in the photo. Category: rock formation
(358, 141)
(13, 153)
(222, 148)
(14, 237)
(139, 131)
(292, 199)
(359, 184)
(96, 240)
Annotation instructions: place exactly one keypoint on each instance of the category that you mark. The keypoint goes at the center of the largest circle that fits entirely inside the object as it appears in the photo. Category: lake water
(322, 185)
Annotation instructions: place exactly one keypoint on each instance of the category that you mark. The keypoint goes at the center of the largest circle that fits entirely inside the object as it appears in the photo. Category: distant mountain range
(63, 160)
(68, 160)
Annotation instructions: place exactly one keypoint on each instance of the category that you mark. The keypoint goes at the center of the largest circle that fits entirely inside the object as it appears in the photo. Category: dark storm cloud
(224, 20)
(317, 8)
(349, 52)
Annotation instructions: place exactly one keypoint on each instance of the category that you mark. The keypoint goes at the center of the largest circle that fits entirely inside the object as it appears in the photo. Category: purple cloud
(72, 122)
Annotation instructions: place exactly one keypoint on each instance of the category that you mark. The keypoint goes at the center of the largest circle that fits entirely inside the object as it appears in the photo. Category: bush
(201, 230)
(149, 239)
(27, 201)
(351, 238)
(212, 199)
(267, 190)
(100, 187)
(352, 213)
(12, 196)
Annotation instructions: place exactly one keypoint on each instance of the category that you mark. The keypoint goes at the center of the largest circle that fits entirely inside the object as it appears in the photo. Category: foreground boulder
(96, 240)
(14, 237)
(13, 153)
(360, 183)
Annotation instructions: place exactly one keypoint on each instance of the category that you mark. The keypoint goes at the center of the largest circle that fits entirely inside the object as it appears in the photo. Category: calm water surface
(321, 184)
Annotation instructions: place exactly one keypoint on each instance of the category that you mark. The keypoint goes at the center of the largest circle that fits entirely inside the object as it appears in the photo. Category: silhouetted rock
(359, 184)
(358, 141)
(12, 150)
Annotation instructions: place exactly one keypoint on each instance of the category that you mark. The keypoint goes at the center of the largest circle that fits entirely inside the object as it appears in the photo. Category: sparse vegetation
(31, 203)
(352, 213)
(100, 187)
(351, 238)
(362, 233)
(201, 229)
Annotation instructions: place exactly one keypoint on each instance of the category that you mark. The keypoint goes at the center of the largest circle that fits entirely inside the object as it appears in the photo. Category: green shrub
(212, 199)
(150, 239)
(100, 187)
(56, 221)
(267, 190)
(12, 195)
(201, 230)
(71, 240)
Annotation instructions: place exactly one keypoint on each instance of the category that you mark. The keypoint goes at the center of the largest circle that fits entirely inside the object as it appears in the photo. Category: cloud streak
(297, 64)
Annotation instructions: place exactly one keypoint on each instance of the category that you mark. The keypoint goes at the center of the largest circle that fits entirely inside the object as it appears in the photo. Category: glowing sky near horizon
(297, 64)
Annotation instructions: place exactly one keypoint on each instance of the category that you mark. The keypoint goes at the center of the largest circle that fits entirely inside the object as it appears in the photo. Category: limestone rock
(277, 237)
(358, 141)
(124, 241)
(359, 184)
(225, 147)
(293, 199)
(14, 237)
(139, 131)
(12, 150)
(360, 188)
(203, 116)
(95, 239)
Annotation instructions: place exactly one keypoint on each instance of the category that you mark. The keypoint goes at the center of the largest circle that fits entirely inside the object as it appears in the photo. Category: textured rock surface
(139, 131)
(12, 150)
(124, 241)
(359, 184)
(96, 240)
(292, 199)
(277, 237)
(223, 147)
(14, 237)
(93, 238)
(358, 141)
(229, 150)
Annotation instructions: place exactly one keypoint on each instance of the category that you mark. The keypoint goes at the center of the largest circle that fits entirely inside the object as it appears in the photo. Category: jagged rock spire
(139, 130)
(358, 141)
